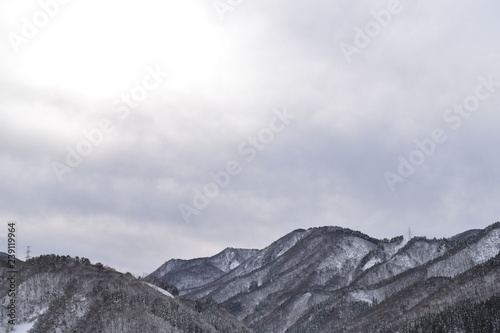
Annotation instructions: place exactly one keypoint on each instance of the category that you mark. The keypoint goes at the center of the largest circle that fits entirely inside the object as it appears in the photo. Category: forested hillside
(59, 294)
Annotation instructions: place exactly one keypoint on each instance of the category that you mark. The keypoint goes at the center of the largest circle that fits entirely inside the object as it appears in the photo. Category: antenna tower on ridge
(28, 252)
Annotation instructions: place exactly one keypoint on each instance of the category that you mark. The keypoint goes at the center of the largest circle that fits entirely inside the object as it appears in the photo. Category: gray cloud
(353, 121)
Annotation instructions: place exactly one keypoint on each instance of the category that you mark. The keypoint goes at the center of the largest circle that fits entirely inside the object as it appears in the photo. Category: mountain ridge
(57, 294)
(284, 284)
(322, 279)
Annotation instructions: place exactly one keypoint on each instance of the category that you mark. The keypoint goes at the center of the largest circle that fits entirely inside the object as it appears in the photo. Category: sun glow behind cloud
(96, 49)
(225, 78)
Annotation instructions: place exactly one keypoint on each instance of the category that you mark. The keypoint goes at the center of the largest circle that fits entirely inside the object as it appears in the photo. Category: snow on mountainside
(164, 292)
(415, 253)
(432, 296)
(475, 253)
(58, 294)
(320, 279)
(327, 257)
(188, 274)
(254, 263)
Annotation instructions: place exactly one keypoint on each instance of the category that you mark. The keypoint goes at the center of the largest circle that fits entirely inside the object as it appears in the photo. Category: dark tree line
(482, 317)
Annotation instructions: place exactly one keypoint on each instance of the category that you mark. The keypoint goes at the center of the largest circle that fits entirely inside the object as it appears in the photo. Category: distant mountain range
(327, 279)
(332, 279)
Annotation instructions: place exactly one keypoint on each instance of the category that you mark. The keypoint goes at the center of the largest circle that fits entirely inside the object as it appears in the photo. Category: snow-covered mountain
(58, 294)
(189, 274)
(327, 279)
(323, 279)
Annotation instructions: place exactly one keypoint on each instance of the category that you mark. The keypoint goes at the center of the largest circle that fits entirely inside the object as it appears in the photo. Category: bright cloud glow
(74, 94)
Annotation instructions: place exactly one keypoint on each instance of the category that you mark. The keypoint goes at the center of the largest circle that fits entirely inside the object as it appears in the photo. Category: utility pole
(409, 233)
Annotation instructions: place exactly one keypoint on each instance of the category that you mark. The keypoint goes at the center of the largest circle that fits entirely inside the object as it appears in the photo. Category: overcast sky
(116, 116)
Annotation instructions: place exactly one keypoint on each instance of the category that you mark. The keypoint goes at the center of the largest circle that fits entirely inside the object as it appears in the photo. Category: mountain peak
(328, 275)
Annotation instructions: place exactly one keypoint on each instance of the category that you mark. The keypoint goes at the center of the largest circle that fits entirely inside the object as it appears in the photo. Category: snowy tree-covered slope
(433, 296)
(320, 279)
(189, 274)
(62, 294)
(450, 258)
(260, 259)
